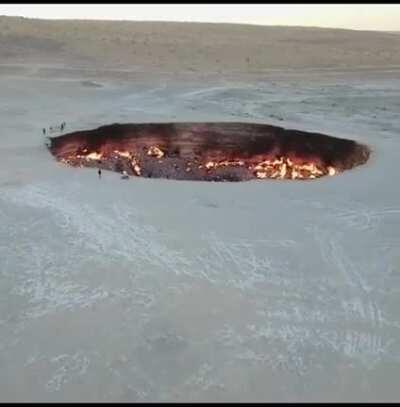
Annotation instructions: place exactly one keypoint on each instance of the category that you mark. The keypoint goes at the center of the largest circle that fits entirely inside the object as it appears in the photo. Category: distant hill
(171, 46)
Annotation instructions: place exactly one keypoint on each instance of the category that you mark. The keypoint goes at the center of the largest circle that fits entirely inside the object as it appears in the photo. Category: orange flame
(278, 168)
(283, 168)
(94, 156)
(155, 152)
(125, 154)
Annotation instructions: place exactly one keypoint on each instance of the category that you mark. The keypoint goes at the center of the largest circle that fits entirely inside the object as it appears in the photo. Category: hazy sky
(355, 16)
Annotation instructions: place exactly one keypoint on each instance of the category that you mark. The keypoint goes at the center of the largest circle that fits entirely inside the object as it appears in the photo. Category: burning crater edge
(214, 151)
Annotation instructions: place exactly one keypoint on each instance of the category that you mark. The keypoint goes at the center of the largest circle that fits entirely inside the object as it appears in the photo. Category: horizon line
(200, 22)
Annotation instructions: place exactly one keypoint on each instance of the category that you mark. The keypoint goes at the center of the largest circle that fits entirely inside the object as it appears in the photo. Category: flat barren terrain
(195, 47)
(152, 289)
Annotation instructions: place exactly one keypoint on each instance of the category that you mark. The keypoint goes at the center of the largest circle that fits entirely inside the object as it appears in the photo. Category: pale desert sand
(157, 290)
(172, 47)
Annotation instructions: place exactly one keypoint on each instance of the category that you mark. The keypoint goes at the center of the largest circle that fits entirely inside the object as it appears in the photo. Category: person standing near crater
(99, 172)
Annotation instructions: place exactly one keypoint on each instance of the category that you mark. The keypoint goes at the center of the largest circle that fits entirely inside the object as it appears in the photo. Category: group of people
(61, 128)
(51, 128)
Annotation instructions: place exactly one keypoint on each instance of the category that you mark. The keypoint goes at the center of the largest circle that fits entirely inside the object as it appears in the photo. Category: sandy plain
(160, 290)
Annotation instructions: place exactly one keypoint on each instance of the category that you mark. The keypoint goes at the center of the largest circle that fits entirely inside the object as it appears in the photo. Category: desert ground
(162, 290)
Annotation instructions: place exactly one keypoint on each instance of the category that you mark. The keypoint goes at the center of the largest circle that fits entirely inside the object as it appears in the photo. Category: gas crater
(221, 151)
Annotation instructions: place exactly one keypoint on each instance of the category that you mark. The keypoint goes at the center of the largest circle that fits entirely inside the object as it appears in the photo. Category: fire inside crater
(209, 151)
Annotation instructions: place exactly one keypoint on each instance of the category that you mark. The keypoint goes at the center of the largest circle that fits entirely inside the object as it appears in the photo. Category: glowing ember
(94, 156)
(135, 166)
(284, 168)
(279, 168)
(125, 154)
(261, 175)
(226, 163)
(137, 169)
(155, 152)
